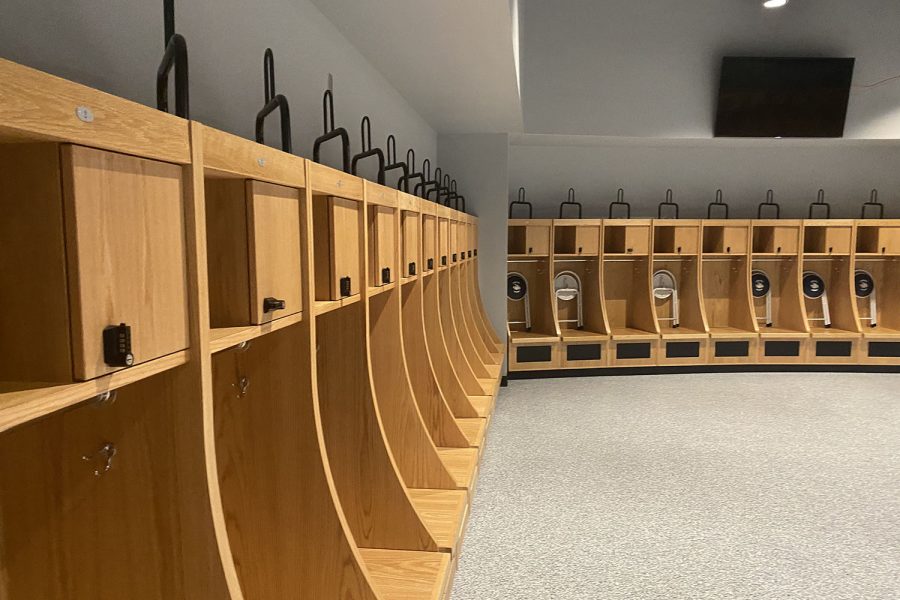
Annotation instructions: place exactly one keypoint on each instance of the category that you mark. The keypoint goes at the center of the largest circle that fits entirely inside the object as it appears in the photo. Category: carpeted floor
(777, 486)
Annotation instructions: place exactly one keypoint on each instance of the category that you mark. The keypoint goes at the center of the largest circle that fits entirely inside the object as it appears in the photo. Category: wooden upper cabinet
(444, 242)
(125, 244)
(91, 240)
(410, 229)
(336, 234)
(383, 246)
(429, 243)
(253, 251)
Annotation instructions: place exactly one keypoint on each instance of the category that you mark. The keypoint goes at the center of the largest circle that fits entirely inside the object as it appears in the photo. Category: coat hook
(108, 452)
(106, 398)
(242, 386)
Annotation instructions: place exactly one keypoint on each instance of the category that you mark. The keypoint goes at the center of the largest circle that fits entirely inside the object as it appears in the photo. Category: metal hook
(820, 201)
(108, 451)
(175, 56)
(273, 101)
(667, 202)
(242, 385)
(717, 202)
(521, 201)
(332, 132)
(873, 201)
(620, 201)
(106, 398)
(570, 200)
(367, 151)
(393, 164)
(770, 201)
(244, 346)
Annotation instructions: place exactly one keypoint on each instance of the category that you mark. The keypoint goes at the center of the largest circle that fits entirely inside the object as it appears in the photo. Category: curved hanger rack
(425, 175)
(331, 132)
(820, 201)
(521, 201)
(570, 201)
(393, 164)
(411, 172)
(770, 201)
(435, 183)
(273, 101)
(444, 190)
(666, 203)
(175, 56)
(873, 201)
(365, 130)
(620, 201)
(716, 203)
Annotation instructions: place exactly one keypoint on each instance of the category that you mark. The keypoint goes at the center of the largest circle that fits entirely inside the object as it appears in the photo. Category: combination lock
(345, 287)
(454, 257)
(386, 275)
(412, 269)
(117, 346)
(430, 264)
(272, 304)
(443, 261)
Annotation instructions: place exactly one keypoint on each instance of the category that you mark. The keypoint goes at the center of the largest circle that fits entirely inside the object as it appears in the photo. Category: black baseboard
(504, 381)
(624, 371)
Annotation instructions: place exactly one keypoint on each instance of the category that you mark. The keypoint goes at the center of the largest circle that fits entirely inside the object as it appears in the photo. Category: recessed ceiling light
(774, 3)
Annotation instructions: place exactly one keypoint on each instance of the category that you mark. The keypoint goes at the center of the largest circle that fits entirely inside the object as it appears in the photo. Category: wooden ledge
(229, 155)
(683, 333)
(531, 337)
(483, 405)
(23, 402)
(627, 333)
(769, 333)
(444, 513)
(330, 182)
(406, 575)
(222, 338)
(583, 335)
(320, 307)
(474, 429)
(833, 332)
(380, 289)
(880, 333)
(728, 333)
(462, 464)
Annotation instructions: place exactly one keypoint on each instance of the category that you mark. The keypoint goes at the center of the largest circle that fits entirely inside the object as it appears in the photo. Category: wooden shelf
(583, 335)
(781, 333)
(473, 429)
(406, 575)
(462, 464)
(832, 332)
(681, 333)
(483, 405)
(628, 333)
(531, 337)
(880, 332)
(320, 307)
(226, 337)
(724, 255)
(23, 402)
(730, 332)
(375, 290)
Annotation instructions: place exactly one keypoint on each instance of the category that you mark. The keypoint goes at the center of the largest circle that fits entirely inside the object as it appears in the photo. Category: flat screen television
(783, 97)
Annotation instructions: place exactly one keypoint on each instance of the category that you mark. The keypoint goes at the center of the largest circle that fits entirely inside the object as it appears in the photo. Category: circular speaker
(813, 285)
(516, 286)
(663, 284)
(863, 283)
(567, 285)
(759, 284)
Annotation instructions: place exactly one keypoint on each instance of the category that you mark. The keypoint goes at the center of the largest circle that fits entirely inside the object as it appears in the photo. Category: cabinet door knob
(117, 346)
(345, 287)
(272, 304)
(386, 275)
(412, 269)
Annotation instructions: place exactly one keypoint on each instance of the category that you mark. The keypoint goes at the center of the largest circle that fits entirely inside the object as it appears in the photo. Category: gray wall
(116, 45)
(480, 163)
(694, 169)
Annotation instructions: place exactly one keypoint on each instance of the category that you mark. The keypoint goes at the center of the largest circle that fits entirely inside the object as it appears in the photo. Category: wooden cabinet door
(273, 234)
(345, 248)
(429, 260)
(410, 265)
(587, 240)
(537, 240)
(444, 242)
(383, 246)
(125, 246)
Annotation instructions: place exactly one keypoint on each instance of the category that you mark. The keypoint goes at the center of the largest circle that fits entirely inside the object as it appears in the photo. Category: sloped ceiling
(453, 61)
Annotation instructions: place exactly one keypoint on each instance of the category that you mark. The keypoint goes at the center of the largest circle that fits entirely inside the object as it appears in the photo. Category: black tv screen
(783, 97)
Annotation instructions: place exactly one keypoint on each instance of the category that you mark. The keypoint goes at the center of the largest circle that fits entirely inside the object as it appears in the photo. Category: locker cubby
(726, 297)
(687, 343)
(786, 297)
(719, 238)
(253, 251)
(108, 499)
(824, 238)
(337, 247)
(537, 274)
(881, 343)
(528, 237)
(410, 225)
(676, 239)
(382, 245)
(626, 239)
(881, 239)
(626, 295)
(92, 239)
(576, 239)
(594, 327)
(775, 239)
(429, 243)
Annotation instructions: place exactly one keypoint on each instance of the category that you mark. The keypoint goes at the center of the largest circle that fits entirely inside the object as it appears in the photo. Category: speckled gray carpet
(776, 486)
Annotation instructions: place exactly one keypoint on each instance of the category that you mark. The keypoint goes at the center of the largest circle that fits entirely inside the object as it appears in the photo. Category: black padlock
(386, 275)
(117, 346)
(272, 304)
(412, 269)
(430, 264)
(345, 287)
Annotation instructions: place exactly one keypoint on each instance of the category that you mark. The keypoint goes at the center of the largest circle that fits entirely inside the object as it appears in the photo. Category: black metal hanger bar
(175, 56)
(820, 201)
(521, 201)
(718, 202)
(432, 183)
(366, 133)
(273, 101)
(570, 201)
(444, 190)
(331, 132)
(620, 201)
(666, 203)
(411, 170)
(770, 201)
(393, 164)
(873, 201)
(419, 190)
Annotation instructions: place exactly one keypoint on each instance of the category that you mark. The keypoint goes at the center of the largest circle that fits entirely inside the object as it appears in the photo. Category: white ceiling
(649, 68)
(452, 61)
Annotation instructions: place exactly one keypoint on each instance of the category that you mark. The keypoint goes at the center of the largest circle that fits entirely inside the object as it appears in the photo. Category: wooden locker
(429, 247)
(444, 242)
(381, 239)
(337, 248)
(410, 227)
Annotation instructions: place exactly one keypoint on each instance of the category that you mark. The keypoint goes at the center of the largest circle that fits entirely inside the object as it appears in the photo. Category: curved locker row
(228, 372)
(665, 292)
